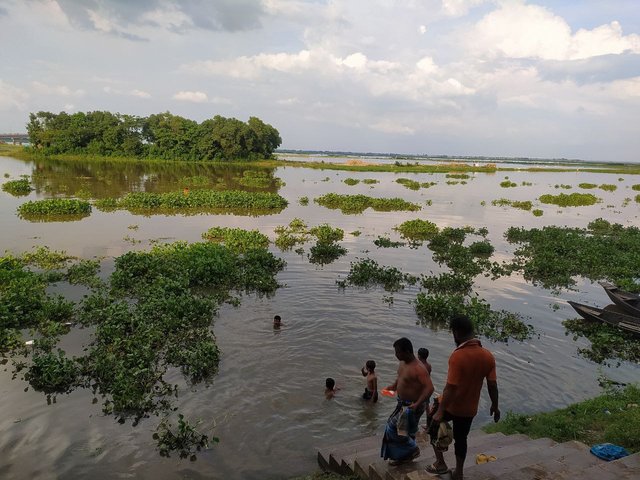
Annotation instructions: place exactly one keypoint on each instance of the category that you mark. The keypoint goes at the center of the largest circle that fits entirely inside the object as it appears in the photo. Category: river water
(266, 404)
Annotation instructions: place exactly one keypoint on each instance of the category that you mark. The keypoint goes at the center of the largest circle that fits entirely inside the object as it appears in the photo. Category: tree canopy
(161, 135)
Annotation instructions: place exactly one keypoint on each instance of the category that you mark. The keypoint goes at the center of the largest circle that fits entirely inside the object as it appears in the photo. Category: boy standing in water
(330, 389)
(371, 390)
(423, 354)
(277, 322)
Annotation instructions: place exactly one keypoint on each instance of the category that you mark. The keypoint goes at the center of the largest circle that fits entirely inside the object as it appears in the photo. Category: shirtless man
(371, 390)
(413, 387)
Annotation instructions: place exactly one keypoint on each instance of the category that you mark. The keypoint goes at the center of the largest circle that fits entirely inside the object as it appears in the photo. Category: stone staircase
(518, 458)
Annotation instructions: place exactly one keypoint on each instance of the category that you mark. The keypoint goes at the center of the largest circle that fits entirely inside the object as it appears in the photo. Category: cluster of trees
(161, 135)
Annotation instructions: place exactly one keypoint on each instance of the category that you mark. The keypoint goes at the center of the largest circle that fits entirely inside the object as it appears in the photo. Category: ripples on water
(266, 404)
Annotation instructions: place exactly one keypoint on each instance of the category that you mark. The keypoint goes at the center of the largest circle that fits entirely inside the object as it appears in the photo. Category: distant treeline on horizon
(162, 135)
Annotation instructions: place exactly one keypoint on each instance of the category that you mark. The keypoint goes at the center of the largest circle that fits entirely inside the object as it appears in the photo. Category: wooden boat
(611, 314)
(629, 302)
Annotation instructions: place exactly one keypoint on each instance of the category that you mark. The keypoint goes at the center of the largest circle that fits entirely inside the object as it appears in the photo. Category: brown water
(266, 404)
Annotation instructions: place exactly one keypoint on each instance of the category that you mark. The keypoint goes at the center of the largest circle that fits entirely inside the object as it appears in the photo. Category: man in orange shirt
(469, 365)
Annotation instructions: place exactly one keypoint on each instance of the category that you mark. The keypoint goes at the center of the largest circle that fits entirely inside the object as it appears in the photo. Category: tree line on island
(161, 135)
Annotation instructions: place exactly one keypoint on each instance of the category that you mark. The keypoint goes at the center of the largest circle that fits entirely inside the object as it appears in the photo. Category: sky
(548, 79)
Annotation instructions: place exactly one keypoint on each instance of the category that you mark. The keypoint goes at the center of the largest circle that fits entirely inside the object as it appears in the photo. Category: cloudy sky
(538, 78)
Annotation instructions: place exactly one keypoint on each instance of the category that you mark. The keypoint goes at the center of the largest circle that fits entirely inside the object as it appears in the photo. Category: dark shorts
(461, 427)
(369, 395)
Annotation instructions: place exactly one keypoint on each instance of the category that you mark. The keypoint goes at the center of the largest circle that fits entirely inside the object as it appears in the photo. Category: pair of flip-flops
(412, 456)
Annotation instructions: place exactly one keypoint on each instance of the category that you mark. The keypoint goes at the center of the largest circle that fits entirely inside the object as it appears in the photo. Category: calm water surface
(266, 404)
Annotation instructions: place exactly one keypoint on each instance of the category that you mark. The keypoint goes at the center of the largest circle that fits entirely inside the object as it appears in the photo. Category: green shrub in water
(462, 176)
(17, 188)
(367, 273)
(481, 249)
(291, 235)
(417, 230)
(351, 181)
(384, 242)
(587, 186)
(237, 239)
(304, 201)
(448, 283)
(537, 212)
(508, 184)
(350, 204)
(608, 187)
(408, 183)
(370, 181)
(54, 207)
(573, 200)
(635, 187)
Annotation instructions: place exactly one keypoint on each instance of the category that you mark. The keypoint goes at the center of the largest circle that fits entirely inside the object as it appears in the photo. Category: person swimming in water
(371, 390)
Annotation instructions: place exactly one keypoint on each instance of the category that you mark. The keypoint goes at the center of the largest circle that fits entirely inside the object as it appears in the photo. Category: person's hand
(494, 411)
(437, 417)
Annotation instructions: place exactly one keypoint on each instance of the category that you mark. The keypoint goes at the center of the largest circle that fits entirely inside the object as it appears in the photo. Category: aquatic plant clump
(17, 188)
(437, 309)
(573, 200)
(635, 187)
(296, 233)
(54, 207)
(351, 181)
(417, 230)
(408, 183)
(608, 187)
(384, 242)
(537, 212)
(447, 283)
(370, 181)
(587, 186)
(462, 176)
(503, 202)
(234, 200)
(367, 273)
(508, 184)
(354, 204)
(197, 181)
(237, 239)
(553, 256)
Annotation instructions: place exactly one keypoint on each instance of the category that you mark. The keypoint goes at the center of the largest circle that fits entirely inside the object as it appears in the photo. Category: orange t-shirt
(469, 365)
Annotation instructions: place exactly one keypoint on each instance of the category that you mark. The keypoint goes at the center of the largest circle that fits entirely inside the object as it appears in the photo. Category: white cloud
(530, 31)
(422, 29)
(69, 107)
(59, 90)
(195, 97)
(12, 97)
(391, 126)
(459, 7)
(140, 93)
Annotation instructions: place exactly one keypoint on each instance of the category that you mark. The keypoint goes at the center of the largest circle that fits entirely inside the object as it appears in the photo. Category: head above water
(371, 365)
(462, 328)
(404, 349)
(330, 383)
(277, 320)
(423, 353)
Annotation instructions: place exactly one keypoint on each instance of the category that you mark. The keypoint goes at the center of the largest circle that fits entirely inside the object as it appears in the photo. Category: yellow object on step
(482, 458)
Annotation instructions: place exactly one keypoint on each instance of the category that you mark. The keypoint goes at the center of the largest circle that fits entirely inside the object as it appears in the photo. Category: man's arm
(427, 388)
(492, 387)
(393, 386)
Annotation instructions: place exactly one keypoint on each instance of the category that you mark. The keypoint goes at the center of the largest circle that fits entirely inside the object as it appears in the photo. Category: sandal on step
(413, 455)
(435, 470)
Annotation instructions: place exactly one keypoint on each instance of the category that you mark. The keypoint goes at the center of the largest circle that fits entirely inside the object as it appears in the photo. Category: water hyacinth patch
(353, 204)
(237, 239)
(636, 187)
(462, 176)
(587, 186)
(522, 205)
(384, 242)
(367, 273)
(55, 209)
(608, 187)
(296, 233)
(236, 201)
(417, 230)
(17, 188)
(537, 212)
(196, 181)
(408, 183)
(351, 181)
(370, 181)
(304, 201)
(508, 184)
(573, 200)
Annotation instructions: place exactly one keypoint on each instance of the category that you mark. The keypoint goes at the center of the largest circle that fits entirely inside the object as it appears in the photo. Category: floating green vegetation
(613, 417)
(573, 200)
(637, 198)
(503, 202)
(356, 233)
(447, 283)
(367, 273)
(258, 179)
(181, 440)
(350, 204)
(428, 184)
(152, 318)
(237, 239)
(326, 249)
(196, 181)
(417, 230)
(537, 212)
(289, 236)
(408, 183)
(236, 201)
(304, 201)
(481, 249)
(508, 184)
(83, 194)
(437, 309)
(46, 259)
(607, 341)
(385, 242)
(526, 184)
(462, 176)
(587, 186)
(351, 181)
(608, 187)
(370, 181)
(17, 188)
(636, 187)
(53, 209)
(562, 185)
(553, 256)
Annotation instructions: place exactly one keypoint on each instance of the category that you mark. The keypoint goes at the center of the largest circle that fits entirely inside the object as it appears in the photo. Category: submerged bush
(417, 230)
(349, 204)
(237, 239)
(367, 273)
(448, 283)
(481, 249)
(17, 188)
(54, 207)
(237, 201)
(573, 200)
(351, 181)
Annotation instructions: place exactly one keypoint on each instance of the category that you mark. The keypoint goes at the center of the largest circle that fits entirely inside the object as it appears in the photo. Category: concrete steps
(518, 458)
